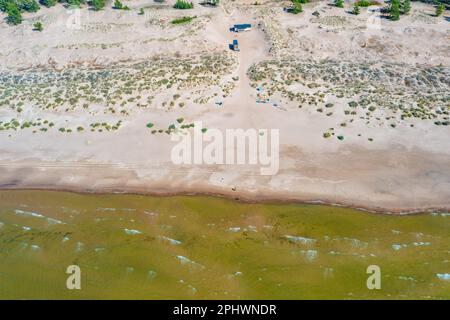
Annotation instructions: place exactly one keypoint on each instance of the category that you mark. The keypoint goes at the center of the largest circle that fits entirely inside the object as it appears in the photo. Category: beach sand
(378, 166)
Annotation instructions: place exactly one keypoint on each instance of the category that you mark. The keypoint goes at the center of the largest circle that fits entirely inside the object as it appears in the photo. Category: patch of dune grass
(182, 20)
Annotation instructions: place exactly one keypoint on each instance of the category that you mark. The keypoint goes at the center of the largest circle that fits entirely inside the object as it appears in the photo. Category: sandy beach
(361, 102)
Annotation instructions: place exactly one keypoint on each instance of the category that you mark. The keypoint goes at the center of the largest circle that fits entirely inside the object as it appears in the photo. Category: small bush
(406, 6)
(118, 5)
(367, 3)
(14, 16)
(182, 4)
(394, 10)
(38, 26)
(297, 8)
(28, 5)
(98, 4)
(440, 9)
(352, 104)
(182, 20)
(339, 3)
(48, 3)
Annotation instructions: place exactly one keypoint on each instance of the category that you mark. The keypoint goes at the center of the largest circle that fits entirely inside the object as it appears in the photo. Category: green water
(194, 247)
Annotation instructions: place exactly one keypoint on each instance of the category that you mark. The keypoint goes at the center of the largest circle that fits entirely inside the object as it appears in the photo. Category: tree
(394, 10)
(98, 4)
(141, 11)
(14, 16)
(356, 9)
(48, 3)
(118, 5)
(406, 6)
(38, 26)
(440, 9)
(28, 5)
(339, 3)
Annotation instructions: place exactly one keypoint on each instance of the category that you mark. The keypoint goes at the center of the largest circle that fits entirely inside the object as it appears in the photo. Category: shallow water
(198, 247)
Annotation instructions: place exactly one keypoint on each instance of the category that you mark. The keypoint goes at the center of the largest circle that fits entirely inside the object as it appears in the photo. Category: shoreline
(241, 198)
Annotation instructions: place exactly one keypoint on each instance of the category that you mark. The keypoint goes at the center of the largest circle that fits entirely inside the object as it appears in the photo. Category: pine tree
(395, 10)
(356, 9)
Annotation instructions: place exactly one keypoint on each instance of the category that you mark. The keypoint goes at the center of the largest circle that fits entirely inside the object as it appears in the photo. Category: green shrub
(440, 9)
(182, 4)
(297, 8)
(118, 5)
(339, 3)
(28, 5)
(367, 3)
(98, 4)
(74, 3)
(182, 20)
(38, 26)
(394, 10)
(47, 3)
(14, 16)
(406, 6)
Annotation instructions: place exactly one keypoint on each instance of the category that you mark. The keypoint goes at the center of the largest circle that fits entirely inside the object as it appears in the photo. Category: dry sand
(404, 169)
